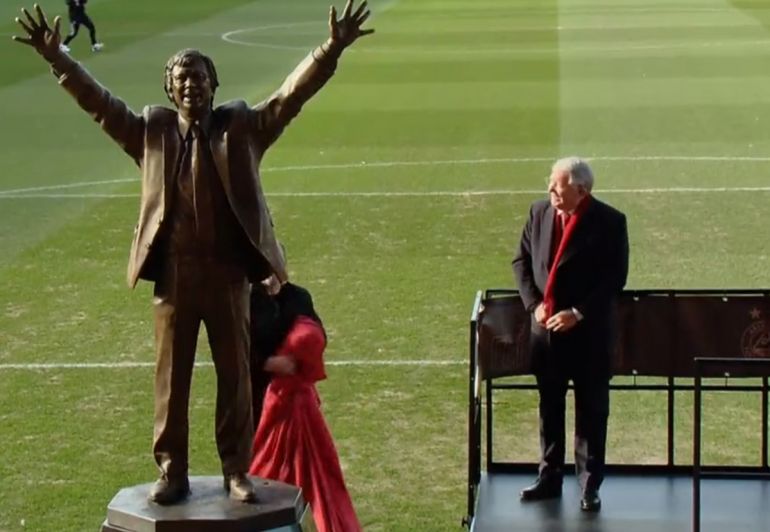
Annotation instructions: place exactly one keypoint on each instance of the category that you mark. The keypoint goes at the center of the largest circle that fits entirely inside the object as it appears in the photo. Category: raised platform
(629, 504)
(280, 507)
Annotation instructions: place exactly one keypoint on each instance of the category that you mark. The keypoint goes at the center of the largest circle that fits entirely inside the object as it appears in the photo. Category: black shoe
(543, 488)
(169, 490)
(590, 502)
(240, 488)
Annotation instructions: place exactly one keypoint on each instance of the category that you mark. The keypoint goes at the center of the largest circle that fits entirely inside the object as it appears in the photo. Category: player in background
(78, 17)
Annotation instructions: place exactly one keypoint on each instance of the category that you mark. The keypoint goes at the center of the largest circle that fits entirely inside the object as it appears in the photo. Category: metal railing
(672, 385)
(735, 367)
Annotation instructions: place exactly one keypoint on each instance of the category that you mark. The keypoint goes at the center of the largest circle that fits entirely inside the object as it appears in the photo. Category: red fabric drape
(565, 234)
(293, 443)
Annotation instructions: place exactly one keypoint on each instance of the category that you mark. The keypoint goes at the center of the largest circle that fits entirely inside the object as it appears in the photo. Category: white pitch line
(66, 196)
(511, 51)
(559, 48)
(68, 185)
(229, 35)
(563, 50)
(504, 192)
(304, 168)
(390, 164)
(144, 365)
(310, 167)
(419, 194)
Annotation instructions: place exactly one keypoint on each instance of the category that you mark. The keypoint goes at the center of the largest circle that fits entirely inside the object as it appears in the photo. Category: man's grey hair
(580, 173)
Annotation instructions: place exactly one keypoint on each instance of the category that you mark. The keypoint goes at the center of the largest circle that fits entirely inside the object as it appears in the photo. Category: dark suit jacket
(590, 275)
(239, 137)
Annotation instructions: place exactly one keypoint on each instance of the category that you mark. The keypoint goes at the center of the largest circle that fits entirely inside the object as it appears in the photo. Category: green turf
(446, 97)
(119, 23)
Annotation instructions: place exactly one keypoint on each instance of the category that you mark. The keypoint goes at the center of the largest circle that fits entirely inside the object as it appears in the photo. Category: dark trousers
(189, 292)
(592, 407)
(75, 23)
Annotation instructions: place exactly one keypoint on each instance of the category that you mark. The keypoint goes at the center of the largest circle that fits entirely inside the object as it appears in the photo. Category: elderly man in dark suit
(204, 228)
(571, 264)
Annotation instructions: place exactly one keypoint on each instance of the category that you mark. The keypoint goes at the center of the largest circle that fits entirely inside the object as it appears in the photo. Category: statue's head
(190, 83)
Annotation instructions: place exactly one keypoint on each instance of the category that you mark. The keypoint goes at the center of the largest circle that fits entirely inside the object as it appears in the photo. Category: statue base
(279, 507)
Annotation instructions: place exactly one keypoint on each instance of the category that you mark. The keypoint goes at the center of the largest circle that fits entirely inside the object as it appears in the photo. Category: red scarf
(566, 233)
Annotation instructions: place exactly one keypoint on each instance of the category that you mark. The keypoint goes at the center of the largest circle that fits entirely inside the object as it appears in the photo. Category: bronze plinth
(208, 509)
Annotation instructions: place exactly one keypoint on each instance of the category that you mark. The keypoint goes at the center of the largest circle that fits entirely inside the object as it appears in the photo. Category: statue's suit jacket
(239, 136)
(590, 275)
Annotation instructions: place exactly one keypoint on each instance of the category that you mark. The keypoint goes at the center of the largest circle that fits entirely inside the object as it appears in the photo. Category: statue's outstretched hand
(40, 35)
(348, 28)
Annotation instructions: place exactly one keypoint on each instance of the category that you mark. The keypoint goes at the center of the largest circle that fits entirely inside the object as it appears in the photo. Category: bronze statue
(204, 229)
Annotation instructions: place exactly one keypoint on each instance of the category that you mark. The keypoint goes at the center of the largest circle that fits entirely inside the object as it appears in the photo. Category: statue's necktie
(201, 192)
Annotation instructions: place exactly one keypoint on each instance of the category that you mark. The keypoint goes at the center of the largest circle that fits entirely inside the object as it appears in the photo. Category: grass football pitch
(399, 191)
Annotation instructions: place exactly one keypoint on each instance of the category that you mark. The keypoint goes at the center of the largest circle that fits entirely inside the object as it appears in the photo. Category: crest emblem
(755, 341)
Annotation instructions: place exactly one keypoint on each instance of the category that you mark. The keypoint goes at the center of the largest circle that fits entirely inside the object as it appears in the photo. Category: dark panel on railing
(722, 327)
(644, 338)
(503, 338)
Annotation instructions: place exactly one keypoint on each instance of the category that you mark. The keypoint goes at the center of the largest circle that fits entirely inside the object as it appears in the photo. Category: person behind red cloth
(264, 343)
(292, 443)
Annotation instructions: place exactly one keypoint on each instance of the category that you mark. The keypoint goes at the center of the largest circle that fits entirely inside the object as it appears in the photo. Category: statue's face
(191, 89)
